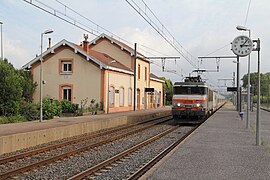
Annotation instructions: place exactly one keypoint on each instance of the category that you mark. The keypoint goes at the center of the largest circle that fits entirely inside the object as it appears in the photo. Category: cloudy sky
(201, 27)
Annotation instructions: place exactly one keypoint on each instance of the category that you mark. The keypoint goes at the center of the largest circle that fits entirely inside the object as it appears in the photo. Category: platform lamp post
(41, 73)
(242, 28)
(108, 91)
(2, 56)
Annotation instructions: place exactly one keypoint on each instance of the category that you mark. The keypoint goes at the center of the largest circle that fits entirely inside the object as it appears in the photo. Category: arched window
(145, 73)
(111, 96)
(121, 96)
(129, 96)
(139, 71)
(66, 92)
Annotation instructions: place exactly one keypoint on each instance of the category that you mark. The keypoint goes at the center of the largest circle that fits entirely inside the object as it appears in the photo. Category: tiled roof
(100, 59)
(104, 58)
(121, 45)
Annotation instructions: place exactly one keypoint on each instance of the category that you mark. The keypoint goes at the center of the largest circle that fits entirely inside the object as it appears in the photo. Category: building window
(111, 96)
(66, 66)
(129, 96)
(145, 73)
(121, 96)
(66, 92)
(139, 71)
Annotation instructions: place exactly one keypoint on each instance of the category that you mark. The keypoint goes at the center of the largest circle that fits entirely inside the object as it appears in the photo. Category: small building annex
(101, 70)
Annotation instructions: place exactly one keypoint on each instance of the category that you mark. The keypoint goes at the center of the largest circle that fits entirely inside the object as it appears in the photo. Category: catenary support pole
(248, 88)
(258, 123)
(238, 85)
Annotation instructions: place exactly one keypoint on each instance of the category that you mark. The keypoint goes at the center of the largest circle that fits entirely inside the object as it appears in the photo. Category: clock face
(242, 46)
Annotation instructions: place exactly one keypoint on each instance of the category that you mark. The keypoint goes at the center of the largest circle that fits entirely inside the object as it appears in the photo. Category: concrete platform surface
(23, 127)
(222, 148)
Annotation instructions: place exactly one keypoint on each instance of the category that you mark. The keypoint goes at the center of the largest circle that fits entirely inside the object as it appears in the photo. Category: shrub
(51, 108)
(29, 110)
(75, 107)
(68, 107)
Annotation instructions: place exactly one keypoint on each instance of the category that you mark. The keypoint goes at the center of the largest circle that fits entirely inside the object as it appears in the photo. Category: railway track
(105, 169)
(157, 158)
(42, 160)
(90, 171)
(113, 165)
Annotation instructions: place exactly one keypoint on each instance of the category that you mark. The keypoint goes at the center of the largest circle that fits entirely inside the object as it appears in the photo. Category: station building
(100, 71)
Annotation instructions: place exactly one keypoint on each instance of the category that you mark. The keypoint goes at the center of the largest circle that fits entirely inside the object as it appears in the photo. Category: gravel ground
(79, 162)
(144, 155)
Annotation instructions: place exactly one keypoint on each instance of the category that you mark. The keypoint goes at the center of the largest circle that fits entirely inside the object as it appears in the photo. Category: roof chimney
(49, 43)
(85, 42)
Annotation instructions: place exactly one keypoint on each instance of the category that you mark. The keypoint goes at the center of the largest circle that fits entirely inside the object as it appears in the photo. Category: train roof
(192, 81)
(190, 84)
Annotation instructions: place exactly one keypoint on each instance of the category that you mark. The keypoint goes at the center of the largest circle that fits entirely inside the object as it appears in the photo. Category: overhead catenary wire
(85, 27)
(161, 30)
(57, 14)
(247, 13)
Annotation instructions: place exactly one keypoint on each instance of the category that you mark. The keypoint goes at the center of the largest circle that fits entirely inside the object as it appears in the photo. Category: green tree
(27, 85)
(264, 80)
(253, 81)
(268, 86)
(10, 89)
(168, 90)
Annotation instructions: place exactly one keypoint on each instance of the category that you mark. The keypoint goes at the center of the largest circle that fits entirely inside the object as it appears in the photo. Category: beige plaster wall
(158, 86)
(118, 80)
(142, 83)
(86, 78)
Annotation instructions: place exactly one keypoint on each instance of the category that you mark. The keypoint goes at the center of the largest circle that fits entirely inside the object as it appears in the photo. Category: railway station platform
(17, 136)
(222, 148)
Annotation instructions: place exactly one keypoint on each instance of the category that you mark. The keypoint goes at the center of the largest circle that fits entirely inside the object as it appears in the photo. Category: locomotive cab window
(190, 90)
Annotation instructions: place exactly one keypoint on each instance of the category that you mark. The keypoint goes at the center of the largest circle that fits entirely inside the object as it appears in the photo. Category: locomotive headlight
(198, 105)
(176, 104)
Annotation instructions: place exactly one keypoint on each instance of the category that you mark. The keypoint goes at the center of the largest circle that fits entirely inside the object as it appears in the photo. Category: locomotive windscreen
(190, 90)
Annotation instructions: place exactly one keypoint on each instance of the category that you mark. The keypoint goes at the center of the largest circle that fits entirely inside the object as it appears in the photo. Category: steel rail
(81, 149)
(107, 162)
(55, 146)
(157, 158)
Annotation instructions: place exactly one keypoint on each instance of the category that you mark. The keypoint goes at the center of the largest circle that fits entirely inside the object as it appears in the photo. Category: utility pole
(135, 67)
(258, 123)
(2, 56)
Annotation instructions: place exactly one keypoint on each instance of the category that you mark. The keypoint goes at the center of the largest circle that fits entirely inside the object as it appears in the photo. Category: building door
(138, 99)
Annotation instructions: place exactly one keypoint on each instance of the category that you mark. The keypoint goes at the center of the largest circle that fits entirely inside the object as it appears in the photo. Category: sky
(201, 27)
